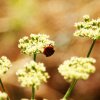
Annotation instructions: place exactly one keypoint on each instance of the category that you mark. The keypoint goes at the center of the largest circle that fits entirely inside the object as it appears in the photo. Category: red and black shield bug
(48, 51)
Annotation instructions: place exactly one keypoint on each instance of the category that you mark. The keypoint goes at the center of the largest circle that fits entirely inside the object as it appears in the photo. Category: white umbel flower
(77, 68)
(32, 74)
(5, 64)
(88, 28)
(36, 43)
(3, 96)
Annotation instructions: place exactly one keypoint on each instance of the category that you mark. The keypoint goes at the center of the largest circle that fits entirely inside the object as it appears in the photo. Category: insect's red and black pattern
(48, 51)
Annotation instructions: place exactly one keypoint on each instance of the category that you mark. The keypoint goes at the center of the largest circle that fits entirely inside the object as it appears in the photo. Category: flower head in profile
(3, 96)
(77, 68)
(36, 43)
(5, 64)
(33, 74)
(88, 28)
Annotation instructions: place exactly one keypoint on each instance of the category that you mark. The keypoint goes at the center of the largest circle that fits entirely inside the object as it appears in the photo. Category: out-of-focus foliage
(20, 12)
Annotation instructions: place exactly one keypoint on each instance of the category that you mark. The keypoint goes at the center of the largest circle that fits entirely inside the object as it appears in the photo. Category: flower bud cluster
(36, 43)
(88, 28)
(33, 74)
(5, 64)
(3, 96)
(77, 68)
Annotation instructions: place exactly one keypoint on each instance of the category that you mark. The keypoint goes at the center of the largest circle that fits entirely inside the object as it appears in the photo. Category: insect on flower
(37, 43)
(49, 50)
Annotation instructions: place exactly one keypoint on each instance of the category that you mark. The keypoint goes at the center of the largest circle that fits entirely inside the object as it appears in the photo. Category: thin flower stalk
(33, 89)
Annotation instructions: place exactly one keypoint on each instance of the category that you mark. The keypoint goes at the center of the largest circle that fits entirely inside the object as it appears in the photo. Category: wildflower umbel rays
(5, 64)
(36, 43)
(77, 68)
(3, 96)
(33, 74)
(88, 28)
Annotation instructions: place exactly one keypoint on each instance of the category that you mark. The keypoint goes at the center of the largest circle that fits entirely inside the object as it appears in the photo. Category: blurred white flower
(3, 96)
(32, 74)
(5, 64)
(77, 68)
(88, 28)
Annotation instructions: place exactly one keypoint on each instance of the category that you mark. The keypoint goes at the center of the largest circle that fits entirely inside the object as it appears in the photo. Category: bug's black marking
(49, 50)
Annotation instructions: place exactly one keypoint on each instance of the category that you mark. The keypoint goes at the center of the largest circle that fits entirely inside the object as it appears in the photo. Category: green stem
(2, 85)
(33, 93)
(33, 89)
(3, 88)
(88, 54)
(69, 91)
(34, 56)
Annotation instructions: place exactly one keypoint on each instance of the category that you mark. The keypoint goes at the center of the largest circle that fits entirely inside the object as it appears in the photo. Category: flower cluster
(77, 68)
(88, 28)
(5, 64)
(3, 96)
(33, 74)
(36, 44)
